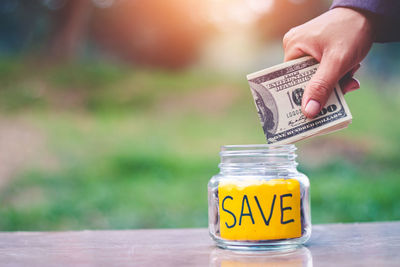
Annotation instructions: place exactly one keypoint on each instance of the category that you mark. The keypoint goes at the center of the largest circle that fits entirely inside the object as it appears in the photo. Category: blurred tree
(71, 23)
(152, 32)
(23, 25)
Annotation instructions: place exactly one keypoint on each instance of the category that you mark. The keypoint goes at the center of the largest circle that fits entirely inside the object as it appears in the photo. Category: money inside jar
(277, 93)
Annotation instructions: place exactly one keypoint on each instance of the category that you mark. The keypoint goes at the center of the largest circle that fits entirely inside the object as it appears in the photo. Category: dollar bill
(278, 92)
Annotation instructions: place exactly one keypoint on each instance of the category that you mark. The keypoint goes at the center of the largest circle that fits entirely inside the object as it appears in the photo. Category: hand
(339, 39)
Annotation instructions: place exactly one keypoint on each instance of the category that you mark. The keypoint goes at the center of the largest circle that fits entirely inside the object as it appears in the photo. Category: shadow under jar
(259, 200)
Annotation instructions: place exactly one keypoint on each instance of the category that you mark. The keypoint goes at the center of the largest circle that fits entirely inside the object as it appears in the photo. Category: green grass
(120, 191)
(125, 159)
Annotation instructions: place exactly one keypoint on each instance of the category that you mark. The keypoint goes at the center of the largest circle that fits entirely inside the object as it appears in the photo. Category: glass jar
(259, 200)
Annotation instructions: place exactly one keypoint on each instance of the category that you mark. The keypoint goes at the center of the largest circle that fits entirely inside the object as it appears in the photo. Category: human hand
(339, 39)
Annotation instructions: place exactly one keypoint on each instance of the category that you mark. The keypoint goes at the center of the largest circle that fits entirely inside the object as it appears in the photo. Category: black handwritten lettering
(285, 208)
(262, 213)
(231, 213)
(245, 214)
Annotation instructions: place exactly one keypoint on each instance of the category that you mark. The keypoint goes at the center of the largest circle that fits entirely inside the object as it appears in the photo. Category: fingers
(334, 63)
(350, 85)
(320, 87)
(296, 43)
(291, 51)
(293, 54)
(355, 69)
(350, 73)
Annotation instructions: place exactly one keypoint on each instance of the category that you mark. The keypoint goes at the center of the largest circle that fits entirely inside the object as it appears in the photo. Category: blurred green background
(112, 113)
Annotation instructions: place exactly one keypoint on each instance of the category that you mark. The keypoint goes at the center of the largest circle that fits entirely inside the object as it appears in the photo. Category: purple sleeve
(384, 13)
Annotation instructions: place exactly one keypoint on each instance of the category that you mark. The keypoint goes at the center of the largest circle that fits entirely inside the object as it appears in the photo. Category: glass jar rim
(268, 148)
(257, 157)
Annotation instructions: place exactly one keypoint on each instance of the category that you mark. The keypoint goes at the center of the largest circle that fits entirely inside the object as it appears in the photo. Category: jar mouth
(228, 150)
(257, 157)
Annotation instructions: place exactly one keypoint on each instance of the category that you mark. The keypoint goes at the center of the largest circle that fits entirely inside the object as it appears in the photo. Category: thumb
(320, 87)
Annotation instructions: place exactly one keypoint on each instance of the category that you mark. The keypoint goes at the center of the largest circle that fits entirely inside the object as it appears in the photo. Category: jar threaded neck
(235, 158)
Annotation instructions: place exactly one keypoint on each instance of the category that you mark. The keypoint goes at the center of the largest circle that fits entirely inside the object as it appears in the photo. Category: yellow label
(259, 210)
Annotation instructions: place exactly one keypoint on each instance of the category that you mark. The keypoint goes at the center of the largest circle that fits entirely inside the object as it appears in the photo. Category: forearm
(385, 15)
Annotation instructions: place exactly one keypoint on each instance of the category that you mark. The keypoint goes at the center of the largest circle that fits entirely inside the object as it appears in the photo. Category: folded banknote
(278, 92)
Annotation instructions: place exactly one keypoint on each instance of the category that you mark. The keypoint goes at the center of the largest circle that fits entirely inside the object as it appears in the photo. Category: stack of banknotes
(278, 92)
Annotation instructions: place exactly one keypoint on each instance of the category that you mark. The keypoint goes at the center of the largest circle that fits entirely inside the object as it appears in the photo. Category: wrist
(365, 20)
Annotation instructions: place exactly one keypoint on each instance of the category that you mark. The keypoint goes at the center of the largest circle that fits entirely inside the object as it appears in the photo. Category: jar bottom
(259, 247)
(270, 245)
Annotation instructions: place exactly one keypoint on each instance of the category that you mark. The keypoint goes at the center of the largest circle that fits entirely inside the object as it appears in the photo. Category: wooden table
(365, 244)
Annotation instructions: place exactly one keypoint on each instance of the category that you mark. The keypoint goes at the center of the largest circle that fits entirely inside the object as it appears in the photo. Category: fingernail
(312, 108)
(355, 84)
